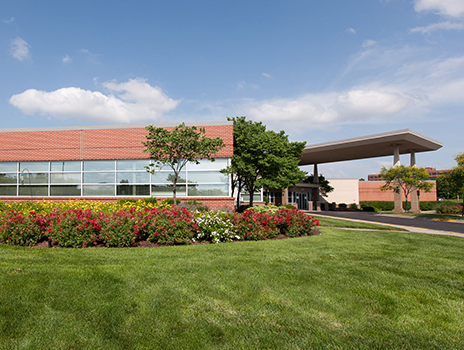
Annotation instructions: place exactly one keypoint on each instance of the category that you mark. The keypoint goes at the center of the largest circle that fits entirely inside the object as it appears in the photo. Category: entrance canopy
(371, 146)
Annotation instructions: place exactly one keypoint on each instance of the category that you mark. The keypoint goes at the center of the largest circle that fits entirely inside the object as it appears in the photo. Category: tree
(455, 177)
(177, 147)
(263, 158)
(405, 178)
(324, 184)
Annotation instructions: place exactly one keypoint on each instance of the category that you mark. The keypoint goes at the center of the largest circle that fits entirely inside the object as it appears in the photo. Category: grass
(339, 290)
(330, 222)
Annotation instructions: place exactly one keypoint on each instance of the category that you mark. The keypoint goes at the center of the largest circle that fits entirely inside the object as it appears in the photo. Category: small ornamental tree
(455, 177)
(177, 147)
(406, 179)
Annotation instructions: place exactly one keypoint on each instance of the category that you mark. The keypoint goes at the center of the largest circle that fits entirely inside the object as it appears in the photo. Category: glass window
(73, 190)
(219, 163)
(7, 190)
(99, 165)
(66, 166)
(166, 190)
(33, 178)
(208, 190)
(132, 164)
(167, 177)
(8, 178)
(8, 167)
(207, 177)
(99, 178)
(130, 178)
(133, 190)
(34, 166)
(33, 190)
(102, 190)
(65, 178)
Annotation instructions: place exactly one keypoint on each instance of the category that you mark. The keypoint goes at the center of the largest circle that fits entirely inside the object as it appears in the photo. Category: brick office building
(104, 163)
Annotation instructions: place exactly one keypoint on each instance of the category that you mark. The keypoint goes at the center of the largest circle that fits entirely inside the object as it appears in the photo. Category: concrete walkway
(427, 226)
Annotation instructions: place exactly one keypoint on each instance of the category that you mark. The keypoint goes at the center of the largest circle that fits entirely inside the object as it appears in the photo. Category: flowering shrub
(215, 227)
(171, 226)
(75, 228)
(449, 209)
(120, 229)
(268, 209)
(45, 207)
(293, 222)
(22, 229)
(255, 226)
(126, 226)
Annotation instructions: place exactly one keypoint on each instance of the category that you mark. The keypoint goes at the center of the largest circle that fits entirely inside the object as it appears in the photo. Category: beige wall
(345, 191)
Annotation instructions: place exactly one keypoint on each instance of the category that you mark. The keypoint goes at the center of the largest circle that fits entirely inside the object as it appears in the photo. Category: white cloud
(326, 109)
(132, 101)
(242, 85)
(437, 26)
(351, 30)
(19, 49)
(8, 21)
(267, 75)
(66, 59)
(450, 8)
(369, 42)
(405, 90)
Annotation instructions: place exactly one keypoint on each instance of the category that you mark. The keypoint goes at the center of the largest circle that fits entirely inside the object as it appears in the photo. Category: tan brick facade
(93, 144)
(370, 191)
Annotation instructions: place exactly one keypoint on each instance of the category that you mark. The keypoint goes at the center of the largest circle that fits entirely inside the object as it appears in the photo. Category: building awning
(370, 146)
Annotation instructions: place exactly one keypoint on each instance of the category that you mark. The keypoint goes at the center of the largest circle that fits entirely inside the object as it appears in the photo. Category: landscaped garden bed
(87, 224)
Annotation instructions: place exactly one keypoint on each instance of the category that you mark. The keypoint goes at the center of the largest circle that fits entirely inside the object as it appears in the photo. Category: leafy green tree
(263, 158)
(405, 178)
(324, 184)
(177, 147)
(455, 177)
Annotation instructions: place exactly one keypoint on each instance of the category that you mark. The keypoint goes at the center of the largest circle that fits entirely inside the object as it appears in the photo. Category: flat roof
(117, 126)
(370, 146)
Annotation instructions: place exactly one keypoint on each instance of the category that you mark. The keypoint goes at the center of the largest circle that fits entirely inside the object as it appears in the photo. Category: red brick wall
(96, 144)
(370, 191)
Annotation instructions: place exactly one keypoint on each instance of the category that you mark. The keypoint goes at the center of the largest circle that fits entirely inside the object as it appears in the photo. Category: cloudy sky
(320, 70)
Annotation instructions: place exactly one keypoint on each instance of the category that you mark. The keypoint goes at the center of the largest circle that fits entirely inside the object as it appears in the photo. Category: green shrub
(342, 206)
(254, 226)
(22, 229)
(120, 229)
(270, 209)
(171, 226)
(293, 222)
(450, 209)
(390, 205)
(353, 206)
(75, 228)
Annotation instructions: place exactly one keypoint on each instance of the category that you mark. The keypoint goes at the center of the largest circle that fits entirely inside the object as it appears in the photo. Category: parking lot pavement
(410, 223)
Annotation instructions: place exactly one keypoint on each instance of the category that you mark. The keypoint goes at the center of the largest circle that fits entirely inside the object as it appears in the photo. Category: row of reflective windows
(100, 165)
(110, 178)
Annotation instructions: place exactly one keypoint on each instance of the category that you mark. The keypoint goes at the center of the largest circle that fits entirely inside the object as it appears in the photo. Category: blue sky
(320, 70)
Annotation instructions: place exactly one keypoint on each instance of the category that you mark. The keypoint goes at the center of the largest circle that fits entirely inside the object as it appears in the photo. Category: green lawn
(340, 290)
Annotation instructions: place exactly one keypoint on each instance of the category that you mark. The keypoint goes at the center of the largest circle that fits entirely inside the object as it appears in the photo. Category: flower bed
(125, 227)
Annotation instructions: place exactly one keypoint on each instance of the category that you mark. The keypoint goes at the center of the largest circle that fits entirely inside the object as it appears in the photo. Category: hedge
(390, 205)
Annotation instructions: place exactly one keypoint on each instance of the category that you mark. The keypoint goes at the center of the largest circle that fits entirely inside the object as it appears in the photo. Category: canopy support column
(415, 208)
(397, 195)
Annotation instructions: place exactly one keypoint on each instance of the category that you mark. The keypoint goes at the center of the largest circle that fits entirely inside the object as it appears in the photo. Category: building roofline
(116, 126)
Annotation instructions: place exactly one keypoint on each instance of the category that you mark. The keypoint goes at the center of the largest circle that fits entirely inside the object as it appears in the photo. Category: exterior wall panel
(93, 144)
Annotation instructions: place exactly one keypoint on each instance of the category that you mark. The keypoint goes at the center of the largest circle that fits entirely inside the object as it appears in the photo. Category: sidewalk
(406, 227)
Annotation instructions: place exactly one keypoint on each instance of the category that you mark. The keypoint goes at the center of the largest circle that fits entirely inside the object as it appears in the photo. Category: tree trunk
(174, 183)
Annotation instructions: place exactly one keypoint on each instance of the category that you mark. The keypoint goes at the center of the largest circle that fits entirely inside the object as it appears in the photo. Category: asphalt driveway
(412, 223)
